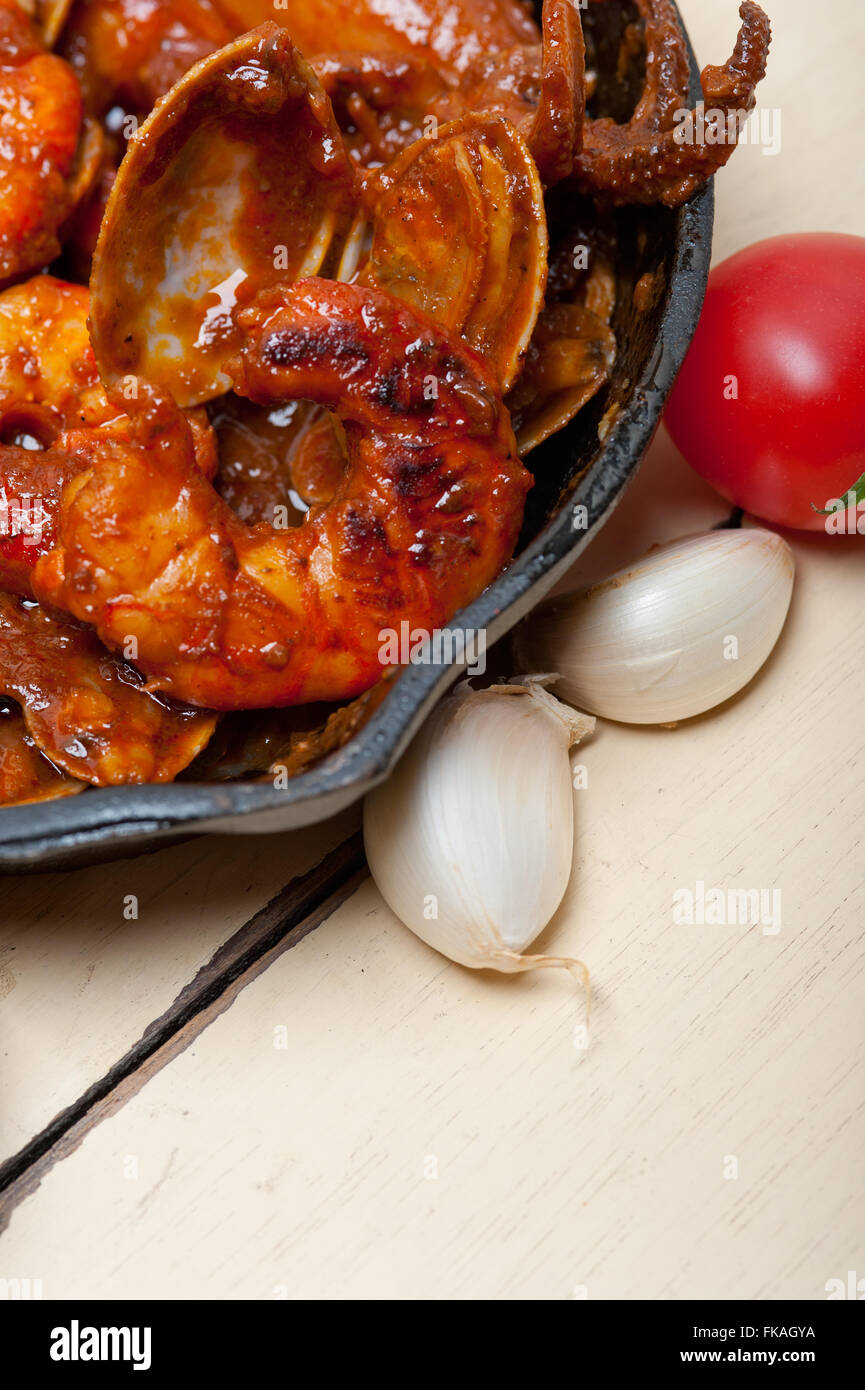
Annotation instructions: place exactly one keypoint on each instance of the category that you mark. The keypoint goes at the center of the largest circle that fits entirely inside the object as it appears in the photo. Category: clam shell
(238, 180)
(459, 231)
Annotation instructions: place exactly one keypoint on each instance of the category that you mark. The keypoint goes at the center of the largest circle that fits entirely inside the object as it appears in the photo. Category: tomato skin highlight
(769, 406)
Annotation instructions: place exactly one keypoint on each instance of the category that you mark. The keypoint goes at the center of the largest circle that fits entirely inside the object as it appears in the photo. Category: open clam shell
(26, 775)
(570, 359)
(459, 231)
(238, 179)
(82, 705)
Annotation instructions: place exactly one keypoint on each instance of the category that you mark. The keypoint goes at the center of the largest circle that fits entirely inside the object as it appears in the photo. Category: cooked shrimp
(40, 124)
(32, 485)
(48, 376)
(128, 53)
(229, 616)
(450, 33)
(54, 417)
(85, 708)
(49, 381)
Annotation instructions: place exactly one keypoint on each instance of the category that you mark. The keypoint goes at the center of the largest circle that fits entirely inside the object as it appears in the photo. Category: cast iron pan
(571, 468)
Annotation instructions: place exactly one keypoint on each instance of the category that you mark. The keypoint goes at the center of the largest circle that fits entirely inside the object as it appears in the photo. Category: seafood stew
(248, 478)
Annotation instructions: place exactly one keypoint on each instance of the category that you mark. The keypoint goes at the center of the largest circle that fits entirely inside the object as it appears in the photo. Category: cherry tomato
(769, 406)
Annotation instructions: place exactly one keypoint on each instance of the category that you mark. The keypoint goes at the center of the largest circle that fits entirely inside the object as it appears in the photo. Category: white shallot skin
(471, 840)
(672, 635)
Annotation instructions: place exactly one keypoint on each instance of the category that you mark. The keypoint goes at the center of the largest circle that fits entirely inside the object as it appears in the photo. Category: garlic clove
(471, 840)
(673, 635)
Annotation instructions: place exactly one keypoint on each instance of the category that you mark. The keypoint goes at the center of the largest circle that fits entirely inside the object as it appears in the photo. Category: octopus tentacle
(380, 100)
(555, 133)
(628, 163)
(667, 69)
(383, 100)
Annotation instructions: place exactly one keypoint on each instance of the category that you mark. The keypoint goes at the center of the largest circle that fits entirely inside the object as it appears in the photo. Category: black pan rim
(114, 822)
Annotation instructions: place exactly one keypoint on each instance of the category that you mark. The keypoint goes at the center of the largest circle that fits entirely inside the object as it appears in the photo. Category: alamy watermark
(20, 1290)
(728, 907)
(22, 516)
(845, 516)
(442, 646)
(77, 1343)
(852, 1288)
(717, 126)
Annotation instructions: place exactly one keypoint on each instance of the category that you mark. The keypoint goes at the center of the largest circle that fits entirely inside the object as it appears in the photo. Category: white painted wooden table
(354, 1116)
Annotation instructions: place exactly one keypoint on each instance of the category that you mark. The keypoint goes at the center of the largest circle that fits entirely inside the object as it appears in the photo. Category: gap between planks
(295, 911)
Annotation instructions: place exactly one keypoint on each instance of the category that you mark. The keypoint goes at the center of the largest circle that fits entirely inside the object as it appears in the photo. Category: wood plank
(80, 982)
(817, 180)
(292, 914)
(265, 1170)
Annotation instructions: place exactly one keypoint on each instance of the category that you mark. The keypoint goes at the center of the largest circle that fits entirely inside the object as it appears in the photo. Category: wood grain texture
(288, 1148)
(294, 912)
(364, 1119)
(817, 180)
(79, 982)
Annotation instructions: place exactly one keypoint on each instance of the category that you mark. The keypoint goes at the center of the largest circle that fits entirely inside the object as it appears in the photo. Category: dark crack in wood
(294, 912)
